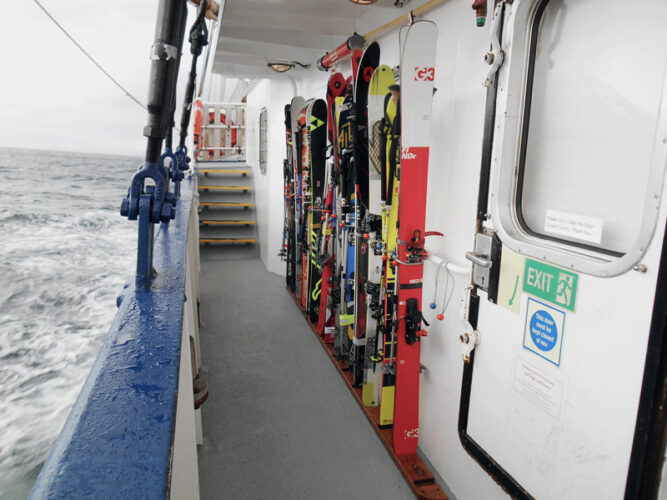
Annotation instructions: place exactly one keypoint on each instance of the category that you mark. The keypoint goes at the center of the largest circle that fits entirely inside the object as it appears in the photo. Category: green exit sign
(550, 283)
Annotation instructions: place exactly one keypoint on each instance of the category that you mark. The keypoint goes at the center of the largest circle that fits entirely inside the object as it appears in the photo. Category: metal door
(568, 248)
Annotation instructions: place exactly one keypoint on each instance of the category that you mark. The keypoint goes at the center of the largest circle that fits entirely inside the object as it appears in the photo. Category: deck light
(280, 67)
(363, 2)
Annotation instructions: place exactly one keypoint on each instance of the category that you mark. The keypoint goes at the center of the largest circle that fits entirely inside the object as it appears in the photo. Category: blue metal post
(148, 205)
(145, 271)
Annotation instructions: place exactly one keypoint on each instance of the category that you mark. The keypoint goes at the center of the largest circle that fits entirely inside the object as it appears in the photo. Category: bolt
(488, 58)
(167, 213)
(125, 207)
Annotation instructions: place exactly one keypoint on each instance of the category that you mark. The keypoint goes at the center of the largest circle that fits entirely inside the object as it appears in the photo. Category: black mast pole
(165, 56)
(198, 39)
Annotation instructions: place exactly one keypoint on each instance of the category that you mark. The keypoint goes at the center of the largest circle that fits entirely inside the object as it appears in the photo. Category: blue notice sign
(543, 333)
(543, 330)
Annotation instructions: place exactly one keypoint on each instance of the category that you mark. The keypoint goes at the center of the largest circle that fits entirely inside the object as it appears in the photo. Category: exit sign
(550, 283)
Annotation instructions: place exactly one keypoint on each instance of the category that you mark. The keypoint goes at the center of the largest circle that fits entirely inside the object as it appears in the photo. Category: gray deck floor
(279, 423)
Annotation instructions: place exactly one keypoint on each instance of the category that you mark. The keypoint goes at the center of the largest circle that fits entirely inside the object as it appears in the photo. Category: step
(228, 222)
(225, 188)
(236, 231)
(227, 214)
(231, 164)
(228, 241)
(225, 204)
(219, 171)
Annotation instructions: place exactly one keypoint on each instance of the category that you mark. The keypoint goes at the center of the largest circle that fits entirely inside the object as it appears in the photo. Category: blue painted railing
(118, 439)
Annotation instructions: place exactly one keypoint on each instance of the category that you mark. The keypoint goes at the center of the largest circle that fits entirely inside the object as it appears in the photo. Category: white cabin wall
(313, 85)
(272, 94)
(455, 157)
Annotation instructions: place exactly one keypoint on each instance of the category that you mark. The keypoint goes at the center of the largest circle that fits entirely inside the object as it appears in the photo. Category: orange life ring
(198, 122)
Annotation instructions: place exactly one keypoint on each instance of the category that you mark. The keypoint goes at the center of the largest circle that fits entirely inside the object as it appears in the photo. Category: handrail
(118, 441)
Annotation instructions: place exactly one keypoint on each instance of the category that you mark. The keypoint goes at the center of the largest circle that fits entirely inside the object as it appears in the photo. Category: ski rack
(327, 61)
(412, 467)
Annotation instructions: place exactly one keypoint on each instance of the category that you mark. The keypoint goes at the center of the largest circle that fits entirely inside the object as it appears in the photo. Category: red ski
(335, 88)
(417, 76)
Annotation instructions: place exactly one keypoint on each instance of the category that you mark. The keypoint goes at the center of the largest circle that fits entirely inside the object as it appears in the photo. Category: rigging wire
(92, 59)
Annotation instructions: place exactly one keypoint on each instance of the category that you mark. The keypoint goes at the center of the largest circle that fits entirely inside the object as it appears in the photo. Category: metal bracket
(496, 57)
(183, 165)
(147, 204)
(172, 172)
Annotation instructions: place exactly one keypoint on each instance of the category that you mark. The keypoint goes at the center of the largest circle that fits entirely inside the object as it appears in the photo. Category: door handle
(480, 260)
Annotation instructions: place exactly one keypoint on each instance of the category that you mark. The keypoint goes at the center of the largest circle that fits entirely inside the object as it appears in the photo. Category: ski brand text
(412, 433)
(424, 74)
(406, 154)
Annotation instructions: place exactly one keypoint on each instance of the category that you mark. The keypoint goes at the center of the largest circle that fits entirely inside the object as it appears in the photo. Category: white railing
(188, 431)
(223, 136)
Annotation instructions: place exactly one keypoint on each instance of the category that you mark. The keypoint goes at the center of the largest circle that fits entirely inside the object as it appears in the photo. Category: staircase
(227, 219)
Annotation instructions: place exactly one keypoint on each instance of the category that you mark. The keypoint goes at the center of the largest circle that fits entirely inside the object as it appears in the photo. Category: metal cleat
(148, 205)
(172, 172)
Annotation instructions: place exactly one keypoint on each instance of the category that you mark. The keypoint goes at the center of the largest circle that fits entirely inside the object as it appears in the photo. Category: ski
(338, 283)
(392, 132)
(417, 76)
(304, 214)
(378, 93)
(288, 211)
(296, 106)
(326, 318)
(317, 144)
(369, 61)
(346, 226)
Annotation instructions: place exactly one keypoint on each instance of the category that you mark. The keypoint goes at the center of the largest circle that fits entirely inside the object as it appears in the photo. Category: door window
(590, 136)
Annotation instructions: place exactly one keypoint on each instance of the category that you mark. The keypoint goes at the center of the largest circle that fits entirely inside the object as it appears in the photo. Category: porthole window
(262, 140)
(590, 121)
(579, 173)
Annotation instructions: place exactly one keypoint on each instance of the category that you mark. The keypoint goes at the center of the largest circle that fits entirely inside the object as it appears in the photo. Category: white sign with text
(576, 226)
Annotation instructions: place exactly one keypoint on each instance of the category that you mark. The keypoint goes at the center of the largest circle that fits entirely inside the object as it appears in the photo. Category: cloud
(53, 97)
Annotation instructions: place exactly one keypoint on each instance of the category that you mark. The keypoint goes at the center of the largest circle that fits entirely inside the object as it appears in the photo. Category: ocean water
(65, 253)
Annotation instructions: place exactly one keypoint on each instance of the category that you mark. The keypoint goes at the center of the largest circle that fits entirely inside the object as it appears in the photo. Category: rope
(125, 91)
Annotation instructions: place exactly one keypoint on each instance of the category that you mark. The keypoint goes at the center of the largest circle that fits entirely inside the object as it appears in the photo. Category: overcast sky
(53, 97)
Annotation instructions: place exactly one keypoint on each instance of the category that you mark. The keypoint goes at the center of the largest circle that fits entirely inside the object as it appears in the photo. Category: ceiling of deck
(254, 32)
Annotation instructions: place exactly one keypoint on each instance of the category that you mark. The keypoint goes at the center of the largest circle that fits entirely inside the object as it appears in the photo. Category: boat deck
(280, 423)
